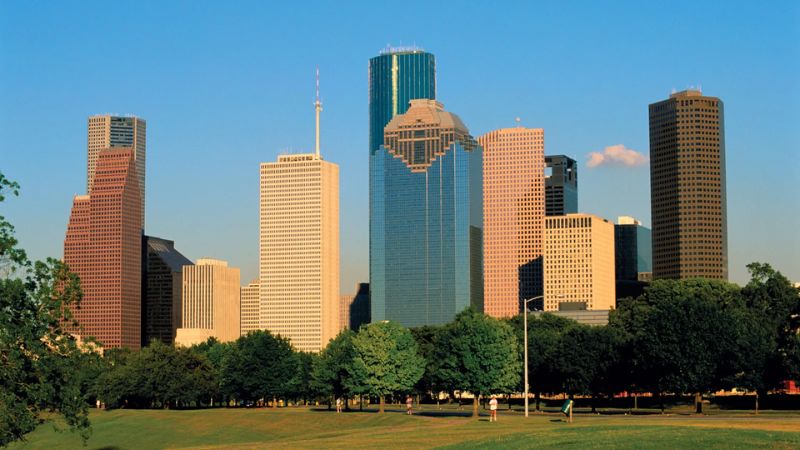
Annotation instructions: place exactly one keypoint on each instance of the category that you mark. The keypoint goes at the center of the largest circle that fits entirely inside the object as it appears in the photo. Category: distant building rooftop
(392, 50)
(687, 93)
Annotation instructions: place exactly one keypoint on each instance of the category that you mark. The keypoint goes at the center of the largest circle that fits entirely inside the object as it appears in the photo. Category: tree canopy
(386, 360)
(38, 357)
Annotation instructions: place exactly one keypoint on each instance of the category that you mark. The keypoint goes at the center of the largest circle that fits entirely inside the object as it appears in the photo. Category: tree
(259, 365)
(157, 376)
(774, 331)
(682, 335)
(427, 338)
(480, 354)
(386, 360)
(38, 357)
(545, 333)
(215, 351)
(302, 385)
(331, 372)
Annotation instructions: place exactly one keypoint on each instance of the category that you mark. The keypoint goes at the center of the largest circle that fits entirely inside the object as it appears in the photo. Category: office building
(632, 248)
(110, 131)
(103, 246)
(162, 275)
(687, 187)
(299, 262)
(250, 307)
(513, 218)
(426, 218)
(397, 76)
(560, 185)
(209, 303)
(354, 310)
(299, 247)
(578, 263)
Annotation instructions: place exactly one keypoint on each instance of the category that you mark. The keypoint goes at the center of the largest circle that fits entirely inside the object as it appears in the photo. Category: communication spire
(318, 109)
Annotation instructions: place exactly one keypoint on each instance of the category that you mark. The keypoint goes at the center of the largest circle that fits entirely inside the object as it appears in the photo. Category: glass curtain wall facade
(395, 78)
(426, 219)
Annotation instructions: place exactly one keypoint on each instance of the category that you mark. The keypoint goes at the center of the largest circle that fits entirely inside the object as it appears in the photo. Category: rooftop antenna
(317, 108)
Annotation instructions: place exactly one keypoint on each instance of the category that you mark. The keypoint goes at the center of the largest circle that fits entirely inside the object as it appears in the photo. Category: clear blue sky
(226, 85)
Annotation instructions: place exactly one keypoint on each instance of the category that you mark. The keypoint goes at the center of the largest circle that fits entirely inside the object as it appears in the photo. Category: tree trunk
(756, 402)
(347, 403)
(360, 402)
(475, 403)
(594, 406)
(274, 402)
(698, 403)
(635, 401)
(382, 403)
(538, 397)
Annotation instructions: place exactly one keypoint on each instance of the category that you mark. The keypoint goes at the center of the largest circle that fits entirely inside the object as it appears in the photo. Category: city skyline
(185, 134)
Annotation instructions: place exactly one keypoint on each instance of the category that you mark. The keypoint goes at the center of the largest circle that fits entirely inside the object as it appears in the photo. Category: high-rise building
(299, 262)
(209, 303)
(110, 131)
(578, 263)
(397, 76)
(354, 310)
(687, 187)
(632, 247)
(103, 246)
(162, 275)
(250, 307)
(560, 185)
(426, 218)
(299, 247)
(513, 218)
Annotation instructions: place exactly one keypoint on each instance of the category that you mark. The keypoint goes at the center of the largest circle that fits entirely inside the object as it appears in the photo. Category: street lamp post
(525, 327)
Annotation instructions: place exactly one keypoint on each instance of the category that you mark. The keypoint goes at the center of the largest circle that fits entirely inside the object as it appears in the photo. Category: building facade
(103, 246)
(354, 310)
(162, 285)
(250, 307)
(632, 249)
(426, 218)
(579, 263)
(560, 185)
(209, 303)
(687, 187)
(513, 218)
(109, 131)
(396, 77)
(299, 250)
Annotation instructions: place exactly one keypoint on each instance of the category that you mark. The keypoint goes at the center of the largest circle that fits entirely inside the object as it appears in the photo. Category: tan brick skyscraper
(579, 263)
(103, 246)
(250, 308)
(513, 218)
(210, 303)
(687, 187)
(107, 131)
(299, 251)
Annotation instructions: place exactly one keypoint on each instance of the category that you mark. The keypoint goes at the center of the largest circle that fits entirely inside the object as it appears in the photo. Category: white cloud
(616, 155)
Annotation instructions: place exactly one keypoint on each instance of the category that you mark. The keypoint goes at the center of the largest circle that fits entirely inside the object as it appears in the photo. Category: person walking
(493, 409)
(338, 404)
(409, 405)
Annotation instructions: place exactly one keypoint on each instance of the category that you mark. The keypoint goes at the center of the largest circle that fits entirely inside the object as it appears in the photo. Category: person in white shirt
(493, 409)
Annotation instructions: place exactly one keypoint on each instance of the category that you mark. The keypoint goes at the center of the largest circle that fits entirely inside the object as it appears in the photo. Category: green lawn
(319, 429)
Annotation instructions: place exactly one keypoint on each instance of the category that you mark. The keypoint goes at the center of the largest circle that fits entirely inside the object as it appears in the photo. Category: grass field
(321, 429)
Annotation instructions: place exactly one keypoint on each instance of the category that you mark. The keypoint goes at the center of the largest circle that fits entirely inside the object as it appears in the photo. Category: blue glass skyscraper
(426, 218)
(397, 76)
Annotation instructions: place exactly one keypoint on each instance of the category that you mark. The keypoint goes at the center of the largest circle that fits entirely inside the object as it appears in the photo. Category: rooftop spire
(317, 109)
